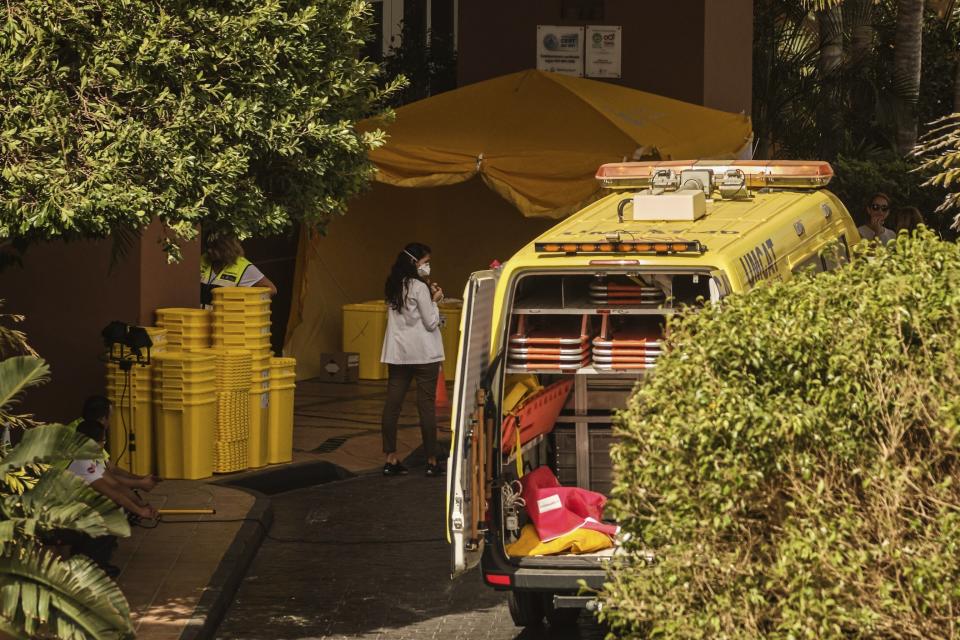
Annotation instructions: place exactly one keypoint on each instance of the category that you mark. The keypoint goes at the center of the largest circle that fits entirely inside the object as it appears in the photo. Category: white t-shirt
(867, 234)
(88, 470)
(413, 333)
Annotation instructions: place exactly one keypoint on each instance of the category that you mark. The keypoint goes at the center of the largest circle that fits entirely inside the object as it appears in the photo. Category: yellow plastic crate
(259, 425)
(283, 366)
(185, 315)
(241, 309)
(185, 437)
(229, 457)
(280, 423)
(364, 325)
(242, 316)
(135, 455)
(246, 330)
(190, 361)
(450, 333)
(242, 294)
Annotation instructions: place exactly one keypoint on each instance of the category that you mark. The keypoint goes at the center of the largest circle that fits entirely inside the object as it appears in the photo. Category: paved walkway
(175, 574)
(365, 558)
(166, 570)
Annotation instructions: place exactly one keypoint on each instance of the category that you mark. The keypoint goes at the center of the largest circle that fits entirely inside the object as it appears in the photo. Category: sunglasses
(880, 207)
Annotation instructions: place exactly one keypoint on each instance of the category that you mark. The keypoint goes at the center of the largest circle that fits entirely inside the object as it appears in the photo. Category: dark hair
(222, 250)
(879, 194)
(92, 429)
(95, 408)
(404, 268)
(911, 215)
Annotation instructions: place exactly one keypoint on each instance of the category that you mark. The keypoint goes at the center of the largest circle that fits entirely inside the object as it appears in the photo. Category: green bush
(793, 464)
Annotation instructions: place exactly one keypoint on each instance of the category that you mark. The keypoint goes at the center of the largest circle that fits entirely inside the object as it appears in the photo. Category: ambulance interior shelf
(565, 344)
(633, 294)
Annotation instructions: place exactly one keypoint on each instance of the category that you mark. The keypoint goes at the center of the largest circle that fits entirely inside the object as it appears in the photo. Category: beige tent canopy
(458, 166)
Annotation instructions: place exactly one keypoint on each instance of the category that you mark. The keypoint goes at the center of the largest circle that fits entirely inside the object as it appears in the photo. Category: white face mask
(423, 270)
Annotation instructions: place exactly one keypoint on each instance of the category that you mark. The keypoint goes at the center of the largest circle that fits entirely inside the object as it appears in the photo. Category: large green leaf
(61, 500)
(18, 374)
(43, 595)
(49, 444)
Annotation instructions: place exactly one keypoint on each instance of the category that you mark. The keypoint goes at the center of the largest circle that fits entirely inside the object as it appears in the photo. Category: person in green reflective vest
(223, 265)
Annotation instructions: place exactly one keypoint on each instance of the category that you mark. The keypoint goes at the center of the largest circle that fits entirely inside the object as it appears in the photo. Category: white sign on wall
(603, 46)
(560, 49)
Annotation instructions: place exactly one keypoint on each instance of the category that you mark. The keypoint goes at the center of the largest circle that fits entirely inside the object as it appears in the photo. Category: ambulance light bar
(653, 248)
(776, 174)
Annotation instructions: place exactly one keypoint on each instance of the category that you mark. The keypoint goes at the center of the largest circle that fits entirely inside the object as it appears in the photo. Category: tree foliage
(794, 463)
(791, 87)
(235, 115)
(940, 152)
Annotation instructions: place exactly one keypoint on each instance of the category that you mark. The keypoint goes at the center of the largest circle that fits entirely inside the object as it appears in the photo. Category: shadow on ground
(366, 558)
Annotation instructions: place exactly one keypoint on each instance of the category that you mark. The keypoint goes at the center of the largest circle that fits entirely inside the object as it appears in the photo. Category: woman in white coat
(413, 350)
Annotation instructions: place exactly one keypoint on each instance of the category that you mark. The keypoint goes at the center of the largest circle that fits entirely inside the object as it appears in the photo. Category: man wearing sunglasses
(878, 208)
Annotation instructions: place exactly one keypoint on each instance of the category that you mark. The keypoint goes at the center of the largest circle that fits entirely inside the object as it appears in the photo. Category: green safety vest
(229, 276)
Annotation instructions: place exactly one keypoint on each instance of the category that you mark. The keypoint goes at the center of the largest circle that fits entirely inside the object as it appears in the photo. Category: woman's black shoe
(434, 470)
(394, 469)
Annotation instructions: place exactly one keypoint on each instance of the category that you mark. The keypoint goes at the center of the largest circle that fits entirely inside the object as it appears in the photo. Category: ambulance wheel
(526, 608)
(559, 618)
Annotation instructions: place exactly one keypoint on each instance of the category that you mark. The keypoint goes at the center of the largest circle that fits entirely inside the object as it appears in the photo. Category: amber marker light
(570, 248)
(788, 174)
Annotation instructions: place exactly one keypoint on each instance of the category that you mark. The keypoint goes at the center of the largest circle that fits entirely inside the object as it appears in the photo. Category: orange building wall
(69, 292)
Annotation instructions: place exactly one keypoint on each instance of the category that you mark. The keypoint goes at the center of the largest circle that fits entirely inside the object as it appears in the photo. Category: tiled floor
(165, 569)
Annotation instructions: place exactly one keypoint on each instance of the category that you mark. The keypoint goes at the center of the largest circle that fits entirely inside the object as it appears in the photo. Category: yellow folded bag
(579, 541)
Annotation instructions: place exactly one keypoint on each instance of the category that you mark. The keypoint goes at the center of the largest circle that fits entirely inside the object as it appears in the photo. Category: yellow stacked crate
(280, 427)
(241, 320)
(187, 415)
(130, 436)
(187, 329)
(233, 409)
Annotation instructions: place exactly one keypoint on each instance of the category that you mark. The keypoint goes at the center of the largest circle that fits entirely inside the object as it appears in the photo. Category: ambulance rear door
(468, 467)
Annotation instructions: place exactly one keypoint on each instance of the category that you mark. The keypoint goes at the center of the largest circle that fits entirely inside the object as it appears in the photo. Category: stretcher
(534, 416)
(650, 351)
(559, 367)
(552, 336)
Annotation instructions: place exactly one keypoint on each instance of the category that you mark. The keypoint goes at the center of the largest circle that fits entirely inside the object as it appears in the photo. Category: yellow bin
(450, 313)
(259, 425)
(280, 424)
(186, 436)
(364, 325)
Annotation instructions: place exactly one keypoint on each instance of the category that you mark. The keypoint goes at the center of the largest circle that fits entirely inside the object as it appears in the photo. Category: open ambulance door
(468, 467)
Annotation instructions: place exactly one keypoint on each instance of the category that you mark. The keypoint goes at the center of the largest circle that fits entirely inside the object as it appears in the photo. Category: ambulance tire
(526, 608)
(559, 618)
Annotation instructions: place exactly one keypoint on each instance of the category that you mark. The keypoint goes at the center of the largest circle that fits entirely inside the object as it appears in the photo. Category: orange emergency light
(758, 174)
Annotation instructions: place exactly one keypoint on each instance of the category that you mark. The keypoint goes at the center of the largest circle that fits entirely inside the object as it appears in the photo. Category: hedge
(791, 468)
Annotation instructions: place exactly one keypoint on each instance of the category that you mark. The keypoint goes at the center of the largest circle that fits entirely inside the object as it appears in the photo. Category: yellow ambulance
(556, 339)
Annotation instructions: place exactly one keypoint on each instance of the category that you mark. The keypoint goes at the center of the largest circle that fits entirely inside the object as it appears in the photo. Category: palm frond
(61, 500)
(18, 374)
(44, 595)
(49, 444)
(939, 151)
(13, 341)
